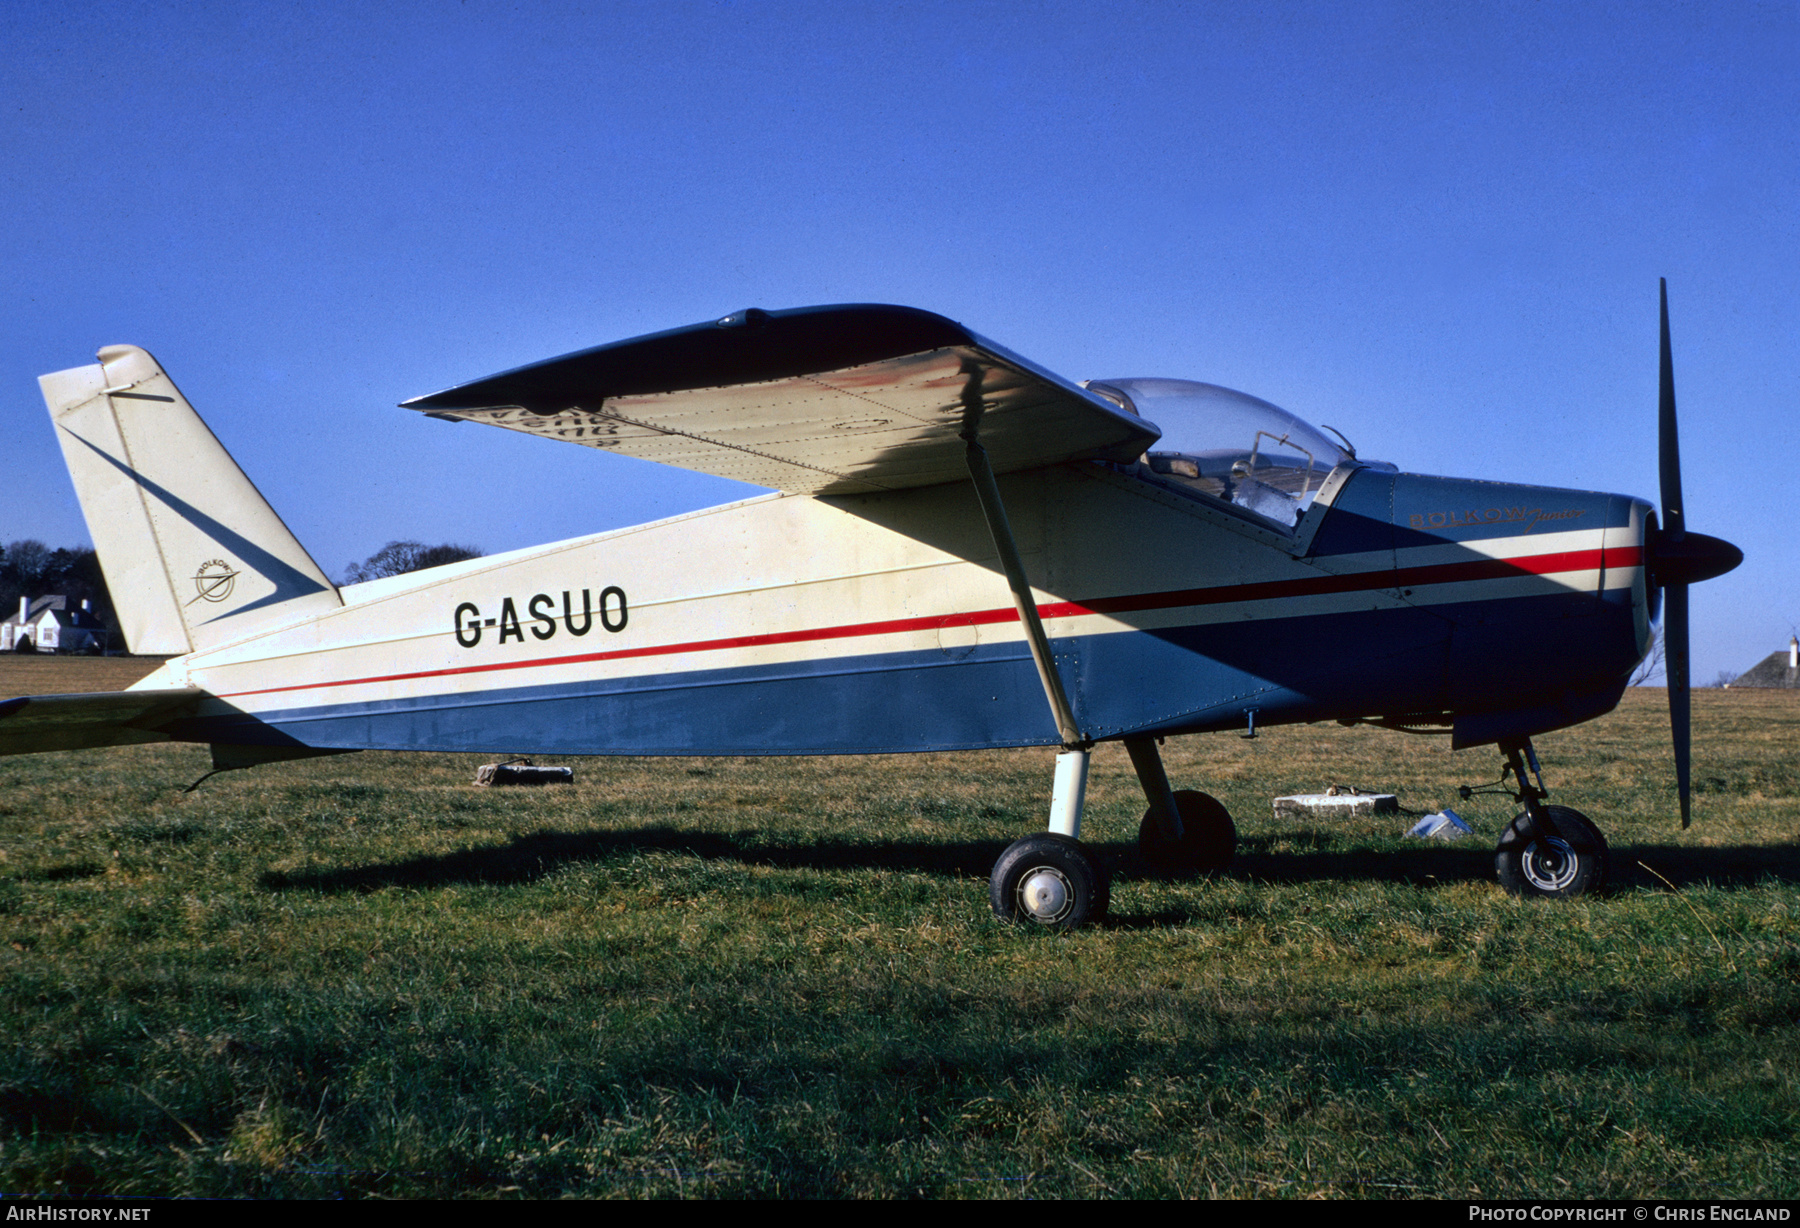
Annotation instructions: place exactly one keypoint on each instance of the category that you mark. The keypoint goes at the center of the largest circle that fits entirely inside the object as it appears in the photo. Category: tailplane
(193, 554)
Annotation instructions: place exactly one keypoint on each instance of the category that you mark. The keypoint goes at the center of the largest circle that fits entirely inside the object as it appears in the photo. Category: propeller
(1675, 559)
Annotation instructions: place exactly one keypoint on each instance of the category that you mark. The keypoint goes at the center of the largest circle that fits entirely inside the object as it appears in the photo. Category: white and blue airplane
(963, 551)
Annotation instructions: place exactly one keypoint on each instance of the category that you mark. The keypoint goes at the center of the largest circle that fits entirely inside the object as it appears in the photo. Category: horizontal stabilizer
(813, 400)
(107, 718)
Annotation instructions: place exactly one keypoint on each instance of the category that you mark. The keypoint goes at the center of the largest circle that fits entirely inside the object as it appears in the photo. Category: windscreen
(1230, 445)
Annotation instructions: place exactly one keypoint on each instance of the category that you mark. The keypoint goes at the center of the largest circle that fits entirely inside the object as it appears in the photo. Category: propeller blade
(1675, 559)
(1674, 521)
(1674, 586)
(1675, 661)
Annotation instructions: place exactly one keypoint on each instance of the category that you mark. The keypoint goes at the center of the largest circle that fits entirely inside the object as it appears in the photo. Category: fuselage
(791, 624)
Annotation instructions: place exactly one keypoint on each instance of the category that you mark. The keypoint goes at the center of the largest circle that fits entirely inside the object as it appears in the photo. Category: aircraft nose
(1689, 558)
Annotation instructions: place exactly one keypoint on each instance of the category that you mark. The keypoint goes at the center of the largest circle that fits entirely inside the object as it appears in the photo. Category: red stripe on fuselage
(1311, 586)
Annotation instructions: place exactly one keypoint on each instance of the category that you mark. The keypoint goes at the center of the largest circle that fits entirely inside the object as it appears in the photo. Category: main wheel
(1208, 836)
(1049, 880)
(1570, 864)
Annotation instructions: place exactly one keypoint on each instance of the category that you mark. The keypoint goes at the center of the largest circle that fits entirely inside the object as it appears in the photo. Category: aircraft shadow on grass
(531, 857)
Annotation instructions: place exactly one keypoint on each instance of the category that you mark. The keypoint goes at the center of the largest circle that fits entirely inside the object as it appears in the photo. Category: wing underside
(818, 401)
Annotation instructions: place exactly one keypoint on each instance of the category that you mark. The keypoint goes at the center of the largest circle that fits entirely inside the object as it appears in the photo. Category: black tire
(1208, 836)
(1570, 865)
(1048, 880)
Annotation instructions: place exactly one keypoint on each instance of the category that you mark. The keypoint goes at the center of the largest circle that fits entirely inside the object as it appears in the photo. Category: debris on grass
(523, 772)
(1336, 802)
(1444, 825)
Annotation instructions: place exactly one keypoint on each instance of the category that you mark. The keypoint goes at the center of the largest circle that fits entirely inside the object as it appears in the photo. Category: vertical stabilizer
(193, 555)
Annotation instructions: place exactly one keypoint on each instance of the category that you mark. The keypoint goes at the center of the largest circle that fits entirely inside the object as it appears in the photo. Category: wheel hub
(1045, 895)
(1549, 864)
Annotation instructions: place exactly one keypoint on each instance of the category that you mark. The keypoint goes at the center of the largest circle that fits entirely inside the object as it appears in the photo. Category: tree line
(29, 568)
(398, 558)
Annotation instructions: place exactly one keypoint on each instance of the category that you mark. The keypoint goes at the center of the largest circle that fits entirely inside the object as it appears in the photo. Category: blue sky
(1435, 226)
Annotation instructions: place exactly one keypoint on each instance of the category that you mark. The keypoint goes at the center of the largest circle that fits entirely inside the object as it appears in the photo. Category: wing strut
(1071, 766)
(988, 491)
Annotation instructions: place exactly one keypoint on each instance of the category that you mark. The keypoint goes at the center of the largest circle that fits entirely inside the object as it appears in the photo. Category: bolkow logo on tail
(214, 580)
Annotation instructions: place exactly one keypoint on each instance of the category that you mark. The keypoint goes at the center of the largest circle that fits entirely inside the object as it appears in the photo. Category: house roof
(1772, 671)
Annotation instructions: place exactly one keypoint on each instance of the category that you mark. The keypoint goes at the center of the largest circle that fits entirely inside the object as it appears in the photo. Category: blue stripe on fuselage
(1319, 667)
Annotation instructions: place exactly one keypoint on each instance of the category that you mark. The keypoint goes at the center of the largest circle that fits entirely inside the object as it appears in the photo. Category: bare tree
(26, 561)
(1651, 668)
(398, 558)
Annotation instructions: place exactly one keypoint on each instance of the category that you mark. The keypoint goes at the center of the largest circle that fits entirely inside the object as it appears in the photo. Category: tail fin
(193, 555)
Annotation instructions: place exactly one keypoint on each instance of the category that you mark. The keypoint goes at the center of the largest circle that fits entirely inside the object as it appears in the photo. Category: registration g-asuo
(541, 618)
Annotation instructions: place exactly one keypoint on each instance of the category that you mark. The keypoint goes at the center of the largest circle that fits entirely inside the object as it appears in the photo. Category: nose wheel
(1551, 852)
(1561, 866)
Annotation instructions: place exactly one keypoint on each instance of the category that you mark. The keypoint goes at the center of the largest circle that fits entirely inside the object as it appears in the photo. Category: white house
(46, 624)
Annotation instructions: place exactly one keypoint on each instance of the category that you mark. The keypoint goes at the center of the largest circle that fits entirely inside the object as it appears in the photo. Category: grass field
(363, 975)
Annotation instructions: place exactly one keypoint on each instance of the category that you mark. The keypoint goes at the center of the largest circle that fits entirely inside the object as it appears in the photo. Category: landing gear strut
(1182, 831)
(1050, 878)
(1548, 851)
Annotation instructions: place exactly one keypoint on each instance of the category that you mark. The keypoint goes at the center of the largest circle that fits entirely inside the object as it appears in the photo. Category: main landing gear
(1051, 879)
(1548, 851)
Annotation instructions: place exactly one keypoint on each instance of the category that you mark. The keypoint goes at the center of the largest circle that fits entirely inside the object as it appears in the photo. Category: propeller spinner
(1675, 559)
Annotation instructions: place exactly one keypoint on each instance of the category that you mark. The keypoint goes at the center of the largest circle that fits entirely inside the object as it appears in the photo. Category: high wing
(813, 400)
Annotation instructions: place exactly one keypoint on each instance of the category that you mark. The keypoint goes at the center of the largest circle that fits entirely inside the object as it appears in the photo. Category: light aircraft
(963, 551)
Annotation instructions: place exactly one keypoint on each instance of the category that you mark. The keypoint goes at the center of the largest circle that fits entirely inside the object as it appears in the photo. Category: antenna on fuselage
(1342, 438)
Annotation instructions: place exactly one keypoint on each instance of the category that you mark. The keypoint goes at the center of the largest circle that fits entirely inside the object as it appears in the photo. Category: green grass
(364, 975)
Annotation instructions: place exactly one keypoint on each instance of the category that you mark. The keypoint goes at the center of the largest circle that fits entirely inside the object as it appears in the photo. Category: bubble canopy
(1230, 445)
